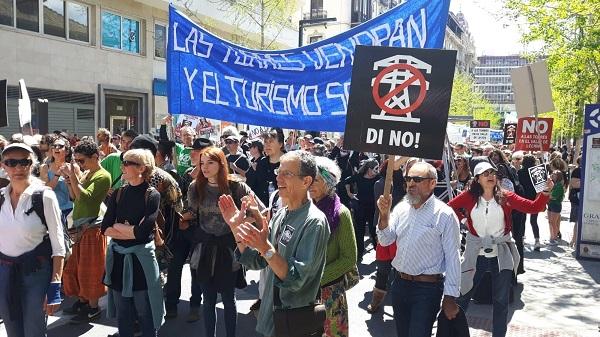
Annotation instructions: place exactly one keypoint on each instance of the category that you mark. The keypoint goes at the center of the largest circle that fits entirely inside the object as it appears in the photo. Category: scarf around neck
(331, 206)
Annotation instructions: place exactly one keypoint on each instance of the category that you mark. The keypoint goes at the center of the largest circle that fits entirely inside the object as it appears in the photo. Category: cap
(202, 143)
(233, 137)
(482, 167)
(144, 142)
(318, 140)
(15, 146)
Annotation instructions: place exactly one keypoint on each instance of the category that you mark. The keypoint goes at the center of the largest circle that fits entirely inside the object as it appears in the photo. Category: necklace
(487, 204)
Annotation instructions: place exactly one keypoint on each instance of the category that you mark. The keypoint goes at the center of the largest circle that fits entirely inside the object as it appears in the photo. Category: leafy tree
(468, 101)
(270, 16)
(570, 33)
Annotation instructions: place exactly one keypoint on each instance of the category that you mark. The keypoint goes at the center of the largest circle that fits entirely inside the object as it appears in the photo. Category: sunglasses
(58, 146)
(488, 173)
(417, 180)
(80, 161)
(18, 162)
(128, 163)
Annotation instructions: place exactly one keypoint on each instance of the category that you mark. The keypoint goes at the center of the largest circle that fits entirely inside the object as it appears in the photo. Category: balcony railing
(315, 13)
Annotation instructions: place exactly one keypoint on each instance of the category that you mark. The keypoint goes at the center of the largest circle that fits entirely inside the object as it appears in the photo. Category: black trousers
(363, 216)
(180, 249)
(518, 232)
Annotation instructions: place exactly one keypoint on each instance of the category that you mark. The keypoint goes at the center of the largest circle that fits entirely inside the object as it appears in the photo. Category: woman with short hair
(341, 247)
(132, 273)
(32, 249)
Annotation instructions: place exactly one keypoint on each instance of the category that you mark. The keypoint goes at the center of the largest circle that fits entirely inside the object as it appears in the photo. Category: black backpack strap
(37, 206)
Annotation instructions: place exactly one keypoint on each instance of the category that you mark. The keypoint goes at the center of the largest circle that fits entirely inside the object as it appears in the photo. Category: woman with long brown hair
(213, 263)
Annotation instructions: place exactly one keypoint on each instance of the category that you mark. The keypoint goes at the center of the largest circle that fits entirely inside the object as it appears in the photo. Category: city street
(558, 297)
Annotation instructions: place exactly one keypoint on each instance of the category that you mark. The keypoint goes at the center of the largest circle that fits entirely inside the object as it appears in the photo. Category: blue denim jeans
(501, 286)
(180, 249)
(130, 308)
(210, 311)
(416, 305)
(32, 323)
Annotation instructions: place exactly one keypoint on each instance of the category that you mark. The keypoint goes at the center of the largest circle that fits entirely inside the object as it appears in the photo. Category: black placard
(399, 101)
(3, 109)
(510, 133)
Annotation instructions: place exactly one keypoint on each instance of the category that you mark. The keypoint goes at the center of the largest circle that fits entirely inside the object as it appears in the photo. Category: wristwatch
(269, 254)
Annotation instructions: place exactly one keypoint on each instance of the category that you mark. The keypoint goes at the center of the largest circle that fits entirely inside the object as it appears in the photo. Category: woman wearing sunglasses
(59, 154)
(88, 185)
(31, 253)
(130, 221)
(490, 247)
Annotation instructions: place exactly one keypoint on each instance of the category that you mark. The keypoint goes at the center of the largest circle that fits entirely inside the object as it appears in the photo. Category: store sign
(480, 131)
(588, 243)
(399, 101)
(532, 135)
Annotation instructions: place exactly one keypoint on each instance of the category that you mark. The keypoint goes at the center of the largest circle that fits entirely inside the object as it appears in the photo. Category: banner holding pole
(305, 88)
(588, 233)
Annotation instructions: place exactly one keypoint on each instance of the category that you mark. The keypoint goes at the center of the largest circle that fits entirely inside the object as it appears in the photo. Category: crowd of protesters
(120, 215)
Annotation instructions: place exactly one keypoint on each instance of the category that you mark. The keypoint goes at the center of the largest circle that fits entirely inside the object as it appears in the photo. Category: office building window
(54, 18)
(160, 40)
(79, 22)
(6, 12)
(120, 32)
(28, 15)
(315, 38)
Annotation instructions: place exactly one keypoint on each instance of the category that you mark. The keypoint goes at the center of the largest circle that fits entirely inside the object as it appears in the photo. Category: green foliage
(467, 101)
(570, 33)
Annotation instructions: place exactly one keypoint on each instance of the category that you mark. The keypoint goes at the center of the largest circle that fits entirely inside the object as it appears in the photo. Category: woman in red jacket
(490, 247)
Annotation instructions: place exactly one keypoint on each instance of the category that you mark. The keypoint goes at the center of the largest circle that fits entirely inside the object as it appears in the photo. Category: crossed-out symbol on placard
(389, 102)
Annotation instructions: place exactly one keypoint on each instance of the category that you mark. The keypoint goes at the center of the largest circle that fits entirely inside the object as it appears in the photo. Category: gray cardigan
(508, 257)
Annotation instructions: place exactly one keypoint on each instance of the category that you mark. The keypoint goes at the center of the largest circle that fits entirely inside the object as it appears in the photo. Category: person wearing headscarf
(341, 247)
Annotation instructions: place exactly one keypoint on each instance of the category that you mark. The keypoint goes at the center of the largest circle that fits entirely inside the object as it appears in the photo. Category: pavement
(557, 296)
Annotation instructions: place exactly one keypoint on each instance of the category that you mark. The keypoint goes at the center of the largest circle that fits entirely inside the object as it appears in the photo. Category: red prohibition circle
(417, 76)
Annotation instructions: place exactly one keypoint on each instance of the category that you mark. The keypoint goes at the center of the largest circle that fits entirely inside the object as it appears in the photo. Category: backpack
(159, 224)
(37, 207)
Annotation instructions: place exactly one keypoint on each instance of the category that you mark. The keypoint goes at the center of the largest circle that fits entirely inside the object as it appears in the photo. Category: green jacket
(184, 159)
(147, 257)
(341, 249)
(303, 243)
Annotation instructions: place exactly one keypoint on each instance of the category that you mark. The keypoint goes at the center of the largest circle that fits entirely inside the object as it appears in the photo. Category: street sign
(480, 130)
(399, 101)
(588, 241)
(510, 133)
(532, 135)
(531, 88)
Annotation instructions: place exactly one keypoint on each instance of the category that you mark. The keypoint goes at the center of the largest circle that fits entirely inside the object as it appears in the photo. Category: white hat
(482, 167)
(13, 146)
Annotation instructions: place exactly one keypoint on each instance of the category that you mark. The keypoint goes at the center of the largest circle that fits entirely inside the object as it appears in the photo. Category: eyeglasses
(18, 162)
(128, 163)
(488, 173)
(287, 174)
(80, 161)
(58, 146)
(417, 180)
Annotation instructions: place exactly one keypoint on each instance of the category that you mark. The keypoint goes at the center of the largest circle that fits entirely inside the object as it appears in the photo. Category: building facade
(492, 78)
(100, 63)
(327, 18)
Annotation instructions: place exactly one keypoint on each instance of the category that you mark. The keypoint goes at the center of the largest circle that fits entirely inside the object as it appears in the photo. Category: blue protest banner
(588, 233)
(304, 88)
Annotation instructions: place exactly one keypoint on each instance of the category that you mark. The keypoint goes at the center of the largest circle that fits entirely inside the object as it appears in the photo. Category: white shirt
(21, 233)
(488, 220)
(428, 241)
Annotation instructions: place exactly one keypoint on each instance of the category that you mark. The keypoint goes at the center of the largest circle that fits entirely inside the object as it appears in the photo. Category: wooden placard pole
(389, 174)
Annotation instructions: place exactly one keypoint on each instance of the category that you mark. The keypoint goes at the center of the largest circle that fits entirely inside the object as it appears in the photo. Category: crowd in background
(126, 212)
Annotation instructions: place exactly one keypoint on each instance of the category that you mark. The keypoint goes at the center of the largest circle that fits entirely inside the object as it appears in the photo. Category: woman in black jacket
(263, 180)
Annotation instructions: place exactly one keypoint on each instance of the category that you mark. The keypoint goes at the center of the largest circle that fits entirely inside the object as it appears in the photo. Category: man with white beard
(427, 262)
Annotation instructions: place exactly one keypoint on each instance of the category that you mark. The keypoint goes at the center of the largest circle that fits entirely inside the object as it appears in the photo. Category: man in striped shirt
(427, 261)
